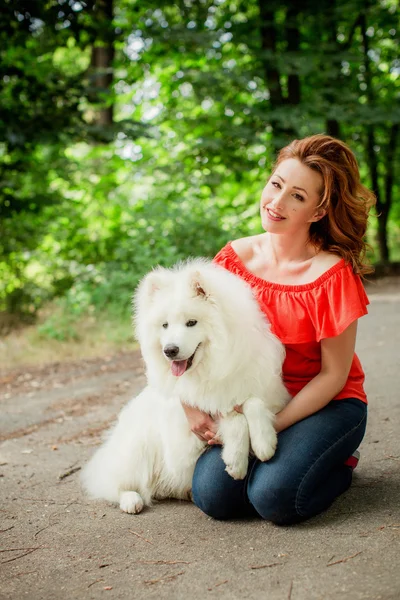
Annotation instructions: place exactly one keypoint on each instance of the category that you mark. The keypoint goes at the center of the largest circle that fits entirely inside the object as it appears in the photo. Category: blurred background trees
(138, 132)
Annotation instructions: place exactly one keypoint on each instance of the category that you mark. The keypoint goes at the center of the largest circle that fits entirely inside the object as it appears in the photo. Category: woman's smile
(274, 216)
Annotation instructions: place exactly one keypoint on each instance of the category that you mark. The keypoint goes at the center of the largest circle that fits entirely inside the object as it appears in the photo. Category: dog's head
(198, 326)
(175, 318)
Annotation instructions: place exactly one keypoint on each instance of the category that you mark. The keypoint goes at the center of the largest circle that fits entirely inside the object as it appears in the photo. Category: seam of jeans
(321, 456)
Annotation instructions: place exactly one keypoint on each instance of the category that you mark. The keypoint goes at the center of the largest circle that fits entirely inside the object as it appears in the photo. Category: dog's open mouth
(179, 367)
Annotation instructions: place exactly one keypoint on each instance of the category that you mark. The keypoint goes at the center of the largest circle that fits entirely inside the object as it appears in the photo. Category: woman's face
(289, 200)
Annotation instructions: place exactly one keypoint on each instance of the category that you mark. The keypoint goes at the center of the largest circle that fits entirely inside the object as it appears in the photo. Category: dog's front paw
(131, 502)
(264, 446)
(236, 464)
(236, 472)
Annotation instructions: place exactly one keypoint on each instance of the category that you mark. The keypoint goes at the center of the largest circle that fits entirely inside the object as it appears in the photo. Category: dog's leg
(131, 502)
(260, 420)
(234, 434)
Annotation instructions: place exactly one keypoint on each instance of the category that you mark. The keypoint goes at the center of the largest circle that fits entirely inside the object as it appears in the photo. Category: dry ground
(57, 545)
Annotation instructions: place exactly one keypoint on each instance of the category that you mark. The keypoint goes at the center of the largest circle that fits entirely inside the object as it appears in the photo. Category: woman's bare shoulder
(245, 247)
(323, 261)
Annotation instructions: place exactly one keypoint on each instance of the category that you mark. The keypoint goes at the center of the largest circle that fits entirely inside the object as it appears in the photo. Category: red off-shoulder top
(302, 315)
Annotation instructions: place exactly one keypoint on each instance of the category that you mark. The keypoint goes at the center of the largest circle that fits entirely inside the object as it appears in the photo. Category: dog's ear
(199, 289)
(149, 287)
(152, 283)
(198, 285)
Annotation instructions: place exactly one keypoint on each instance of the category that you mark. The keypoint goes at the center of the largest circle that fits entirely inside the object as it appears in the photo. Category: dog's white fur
(151, 452)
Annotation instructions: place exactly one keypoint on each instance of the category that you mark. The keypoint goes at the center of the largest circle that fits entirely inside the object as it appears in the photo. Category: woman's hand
(202, 425)
(215, 441)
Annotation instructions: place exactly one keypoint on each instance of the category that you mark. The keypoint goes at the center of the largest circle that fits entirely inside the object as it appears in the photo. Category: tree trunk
(333, 128)
(102, 61)
(381, 206)
(330, 11)
(268, 43)
(383, 239)
(389, 181)
(293, 45)
(330, 25)
(282, 131)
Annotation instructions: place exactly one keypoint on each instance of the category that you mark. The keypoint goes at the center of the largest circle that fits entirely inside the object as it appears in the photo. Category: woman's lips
(274, 216)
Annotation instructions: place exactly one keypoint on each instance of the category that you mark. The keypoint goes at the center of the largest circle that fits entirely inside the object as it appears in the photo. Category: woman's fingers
(215, 441)
(201, 423)
(206, 435)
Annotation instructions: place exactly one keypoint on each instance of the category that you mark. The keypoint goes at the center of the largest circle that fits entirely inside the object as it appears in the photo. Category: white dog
(206, 343)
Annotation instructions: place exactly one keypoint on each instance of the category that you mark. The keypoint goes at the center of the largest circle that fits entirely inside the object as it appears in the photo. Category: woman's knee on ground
(213, 490)
(275, 503)
(211, 501)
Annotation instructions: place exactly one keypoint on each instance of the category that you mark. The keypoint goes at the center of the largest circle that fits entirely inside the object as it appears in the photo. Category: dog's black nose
(171, 350)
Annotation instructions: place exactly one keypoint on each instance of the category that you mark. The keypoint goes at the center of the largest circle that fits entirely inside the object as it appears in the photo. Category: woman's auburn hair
(347, 202)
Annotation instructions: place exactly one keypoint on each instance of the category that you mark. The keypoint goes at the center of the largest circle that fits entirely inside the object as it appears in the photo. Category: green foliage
(88, 205)
(62, 324)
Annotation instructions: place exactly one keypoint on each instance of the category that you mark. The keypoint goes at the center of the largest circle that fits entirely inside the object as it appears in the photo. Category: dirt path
(57, 545)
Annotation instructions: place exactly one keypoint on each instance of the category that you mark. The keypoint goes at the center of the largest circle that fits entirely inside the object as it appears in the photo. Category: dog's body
(206, 343)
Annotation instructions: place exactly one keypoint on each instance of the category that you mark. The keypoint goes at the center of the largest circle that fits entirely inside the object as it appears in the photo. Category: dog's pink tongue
(178, 367)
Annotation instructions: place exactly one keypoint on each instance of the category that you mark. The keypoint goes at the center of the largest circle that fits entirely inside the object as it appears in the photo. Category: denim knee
(214, 491)
(273, 503)
(209, 502)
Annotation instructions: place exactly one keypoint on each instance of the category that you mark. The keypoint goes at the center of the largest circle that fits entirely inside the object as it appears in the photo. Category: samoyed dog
(205, 343)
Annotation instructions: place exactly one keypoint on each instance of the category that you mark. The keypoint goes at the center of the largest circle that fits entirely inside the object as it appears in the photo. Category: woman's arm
(202, 425)
(336, 357)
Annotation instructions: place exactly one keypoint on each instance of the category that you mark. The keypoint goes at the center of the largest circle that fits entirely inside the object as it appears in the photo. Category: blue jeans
(301, 480)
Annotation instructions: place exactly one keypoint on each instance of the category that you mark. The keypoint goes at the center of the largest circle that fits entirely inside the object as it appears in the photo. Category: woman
(305, 273)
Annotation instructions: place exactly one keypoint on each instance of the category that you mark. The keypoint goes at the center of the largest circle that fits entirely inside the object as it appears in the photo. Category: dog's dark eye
(165, 325)
(191, 323)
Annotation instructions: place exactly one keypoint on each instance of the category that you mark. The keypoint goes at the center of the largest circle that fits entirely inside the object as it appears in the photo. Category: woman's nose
(277, 198)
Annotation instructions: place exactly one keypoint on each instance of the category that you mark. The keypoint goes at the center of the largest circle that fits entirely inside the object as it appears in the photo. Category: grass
(90, 336)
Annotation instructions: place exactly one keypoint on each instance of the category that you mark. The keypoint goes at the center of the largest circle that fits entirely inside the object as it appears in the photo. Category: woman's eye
(191, 323)
(165, 325)
(298, 197)
(275, 184)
